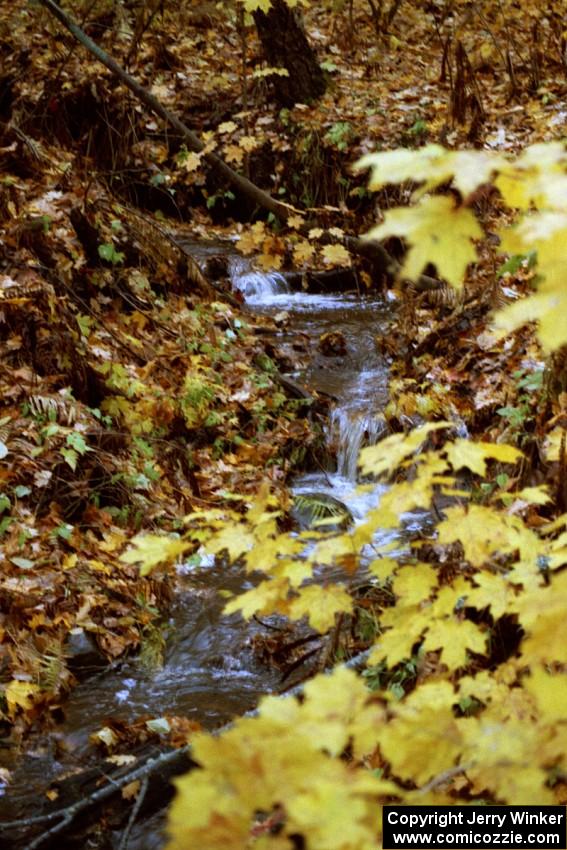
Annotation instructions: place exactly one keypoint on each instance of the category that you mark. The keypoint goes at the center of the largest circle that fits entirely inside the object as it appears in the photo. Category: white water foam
(256, 287)
(351, 431)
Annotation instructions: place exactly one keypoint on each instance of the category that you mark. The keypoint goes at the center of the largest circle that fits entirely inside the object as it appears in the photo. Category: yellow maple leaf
(421, 742)
(233, 153)
(414, 583)
(450, 597)
(253, 238)
(247, 244)
(227, 127)
(236, 538)
(20, 695)
(333, 703)
(454, 637)
(397, 166)
(192, 161)
(321, 604)
(503, 757)
(268, 262)
(336, 255)
(493, 591)
(549, 309)
(431, 165)
(546, 233)
(268, 597)
(248, 143)
(484, 687)
(500, 533)
(295, 221)
(327, 810)
(537, 177)
(387, 455)
(474, 455)
(407, 624)
(542, 614)
(549, 692)
(331, 548)
(438, 231)
(295, 570)
(303, 252)
(261, 764)
(534, 495)
(553, 443)
(268, 549)
(149, 550)
(256, 5)
(393, 647)
(382, 568)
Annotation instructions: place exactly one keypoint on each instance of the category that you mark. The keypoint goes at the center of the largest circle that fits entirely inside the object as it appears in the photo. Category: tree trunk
(285, 45)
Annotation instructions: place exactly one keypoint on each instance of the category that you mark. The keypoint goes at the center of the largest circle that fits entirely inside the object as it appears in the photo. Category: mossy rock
(320, 511)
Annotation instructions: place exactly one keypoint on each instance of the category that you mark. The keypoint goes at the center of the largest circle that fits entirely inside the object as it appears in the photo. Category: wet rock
(84, 658)
(313, 510)
(331, 280)
(216, 267)
(332, 344)
(281, 319)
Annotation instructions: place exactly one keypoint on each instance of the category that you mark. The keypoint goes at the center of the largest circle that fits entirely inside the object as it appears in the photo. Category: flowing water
(211, 672)
(356, 380)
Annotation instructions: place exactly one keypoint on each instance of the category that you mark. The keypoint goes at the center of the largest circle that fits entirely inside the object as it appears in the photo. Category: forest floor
(132, 391)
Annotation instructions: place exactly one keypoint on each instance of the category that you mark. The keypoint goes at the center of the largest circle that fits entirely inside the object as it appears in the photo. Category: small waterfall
(351, 431)
(256, 287)
(357, 380)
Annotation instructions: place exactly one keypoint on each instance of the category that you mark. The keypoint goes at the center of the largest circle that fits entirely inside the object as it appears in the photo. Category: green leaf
(159, 725)
(23, 563)
(70, 456)
(5, 524)
(84, 323)
(64, 531)
(77, 442)
(108, 252)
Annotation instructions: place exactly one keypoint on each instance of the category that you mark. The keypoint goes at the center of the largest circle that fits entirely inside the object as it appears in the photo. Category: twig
(133, 815)
(71, 812)
(59, 827)
(444, 777)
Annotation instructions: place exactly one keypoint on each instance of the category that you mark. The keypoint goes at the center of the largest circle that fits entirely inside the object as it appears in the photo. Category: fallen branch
(369, 249)
(279, 209)
(134, 814)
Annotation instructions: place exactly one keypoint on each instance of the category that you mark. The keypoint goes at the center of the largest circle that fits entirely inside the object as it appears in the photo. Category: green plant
(108, 252)
(339, 135)
(519, 415)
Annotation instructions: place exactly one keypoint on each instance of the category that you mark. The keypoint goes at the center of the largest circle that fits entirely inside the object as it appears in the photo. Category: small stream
(357, 380)
(211, 672)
